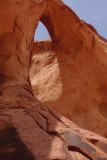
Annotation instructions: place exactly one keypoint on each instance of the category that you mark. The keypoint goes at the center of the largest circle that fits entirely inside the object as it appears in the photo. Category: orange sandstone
(60, 77)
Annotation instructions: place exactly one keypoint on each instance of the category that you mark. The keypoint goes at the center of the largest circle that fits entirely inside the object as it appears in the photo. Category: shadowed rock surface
(29, 130)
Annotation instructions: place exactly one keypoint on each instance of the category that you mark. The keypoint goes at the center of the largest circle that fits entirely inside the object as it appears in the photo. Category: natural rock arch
(71, 36)
(69, 90)
(42, 131)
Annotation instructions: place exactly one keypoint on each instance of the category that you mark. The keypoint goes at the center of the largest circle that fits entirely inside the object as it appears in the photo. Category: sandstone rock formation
(69, 72)
(39, 133)
(28, 129)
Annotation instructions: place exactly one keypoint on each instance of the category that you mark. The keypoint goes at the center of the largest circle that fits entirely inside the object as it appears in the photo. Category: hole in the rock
(41, 32)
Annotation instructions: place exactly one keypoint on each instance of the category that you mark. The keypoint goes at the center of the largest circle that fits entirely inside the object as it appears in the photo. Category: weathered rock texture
(38, 133)
(28, 129)
(69, 73)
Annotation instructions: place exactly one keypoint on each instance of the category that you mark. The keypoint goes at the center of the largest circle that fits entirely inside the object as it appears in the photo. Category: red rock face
(28, 129)
(69, 73)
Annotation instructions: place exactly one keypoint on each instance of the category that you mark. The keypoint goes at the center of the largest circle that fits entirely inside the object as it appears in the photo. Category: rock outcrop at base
(31, 131)
(28, 129)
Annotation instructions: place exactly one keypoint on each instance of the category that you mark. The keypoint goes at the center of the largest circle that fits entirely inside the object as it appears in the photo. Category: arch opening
(41, 32)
